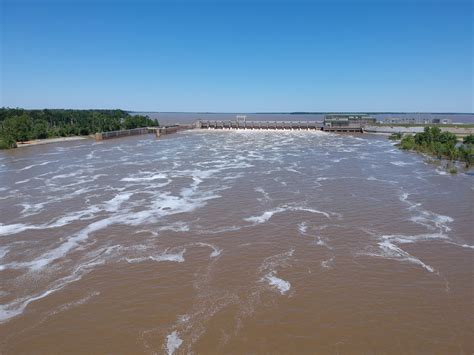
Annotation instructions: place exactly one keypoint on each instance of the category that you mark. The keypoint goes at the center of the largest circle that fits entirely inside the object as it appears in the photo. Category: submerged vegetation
(443, 145)
(395, 136)
(19, 125)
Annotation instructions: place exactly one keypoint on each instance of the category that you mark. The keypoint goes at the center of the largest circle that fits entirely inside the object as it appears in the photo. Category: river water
(234, 242)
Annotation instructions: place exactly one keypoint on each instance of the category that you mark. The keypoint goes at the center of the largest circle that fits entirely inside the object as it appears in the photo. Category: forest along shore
(19, 126)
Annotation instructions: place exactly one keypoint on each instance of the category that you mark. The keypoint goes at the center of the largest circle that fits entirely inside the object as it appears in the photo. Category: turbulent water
(234, 242)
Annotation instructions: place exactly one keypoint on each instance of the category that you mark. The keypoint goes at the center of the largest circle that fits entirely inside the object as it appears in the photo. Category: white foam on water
(85, 214)
(65, 176)
(269, 269)
(274, 261)
(73, 304)
(322, 243)
(183, 318)
(31, 209)
(302, 227)
(3, 251)
(13, 309)
(292, 170)
(70, 243)
(464, 245)
(391, 251)
(312, 210)
(7, 229)
(176, 227)
(265, 216)
(177, 257)
(263, 192)
(148, 177)
(327, 264)
(406, 239)
(281, 285)
(215, 250)
(173, 342)
(17, 307)
(338, 160)
(40, 164)
(403, 196)
(372, 178)
(400, 163)
(220, 230)
(431, 220)
(114, 204)
(167, 256)
(153, 233)
(23, 181)
(164, 205)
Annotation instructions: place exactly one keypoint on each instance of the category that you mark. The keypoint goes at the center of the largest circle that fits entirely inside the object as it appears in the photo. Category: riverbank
(49, 141)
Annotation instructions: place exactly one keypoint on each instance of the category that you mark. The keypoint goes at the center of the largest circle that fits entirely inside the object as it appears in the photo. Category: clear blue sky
(242, 56)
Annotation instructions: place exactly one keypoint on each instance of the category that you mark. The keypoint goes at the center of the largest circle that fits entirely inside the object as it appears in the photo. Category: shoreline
(49, 141)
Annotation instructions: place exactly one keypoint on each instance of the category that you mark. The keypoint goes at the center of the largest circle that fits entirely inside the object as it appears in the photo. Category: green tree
(466, 154)
(469, 139)
(447, 138)
(7, 142)
(40, 129)
(18, 127)
(407, 142)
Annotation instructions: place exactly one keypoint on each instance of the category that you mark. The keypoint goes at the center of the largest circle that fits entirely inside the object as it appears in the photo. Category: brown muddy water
(234, 242)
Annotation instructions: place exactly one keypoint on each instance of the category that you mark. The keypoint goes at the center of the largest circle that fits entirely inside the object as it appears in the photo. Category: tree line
(443, 145)
(19, 125)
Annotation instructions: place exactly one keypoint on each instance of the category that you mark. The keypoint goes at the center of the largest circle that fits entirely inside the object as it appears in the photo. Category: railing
(122, 133)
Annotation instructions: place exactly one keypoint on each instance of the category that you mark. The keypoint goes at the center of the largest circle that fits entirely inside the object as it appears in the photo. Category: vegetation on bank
(395, 136)
(443, 145)
(19, 125)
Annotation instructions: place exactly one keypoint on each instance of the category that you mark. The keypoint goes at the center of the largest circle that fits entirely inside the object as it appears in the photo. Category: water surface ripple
(234, 242)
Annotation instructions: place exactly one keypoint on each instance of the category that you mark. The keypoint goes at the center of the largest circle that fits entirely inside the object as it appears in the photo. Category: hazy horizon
(243, 112)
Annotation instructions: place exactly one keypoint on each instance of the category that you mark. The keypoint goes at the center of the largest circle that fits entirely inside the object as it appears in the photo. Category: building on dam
(348, 120)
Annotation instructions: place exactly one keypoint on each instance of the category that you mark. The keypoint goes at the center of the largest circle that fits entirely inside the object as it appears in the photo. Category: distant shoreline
(309, 112)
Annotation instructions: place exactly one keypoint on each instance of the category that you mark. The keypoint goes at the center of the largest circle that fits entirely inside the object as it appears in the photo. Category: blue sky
(238, 56)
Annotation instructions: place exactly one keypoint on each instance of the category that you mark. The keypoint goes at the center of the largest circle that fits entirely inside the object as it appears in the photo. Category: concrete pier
(158, 131)
(161, 131)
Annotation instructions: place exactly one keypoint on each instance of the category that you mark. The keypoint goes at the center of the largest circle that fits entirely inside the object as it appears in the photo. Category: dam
(278, 125)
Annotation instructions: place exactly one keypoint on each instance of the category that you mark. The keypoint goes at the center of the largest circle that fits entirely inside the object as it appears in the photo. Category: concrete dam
(278, 125)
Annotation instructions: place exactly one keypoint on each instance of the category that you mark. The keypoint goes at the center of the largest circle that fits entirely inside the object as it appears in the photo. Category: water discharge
(233, 242)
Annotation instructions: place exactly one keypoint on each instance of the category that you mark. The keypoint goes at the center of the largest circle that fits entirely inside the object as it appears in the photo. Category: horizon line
(251, 112)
